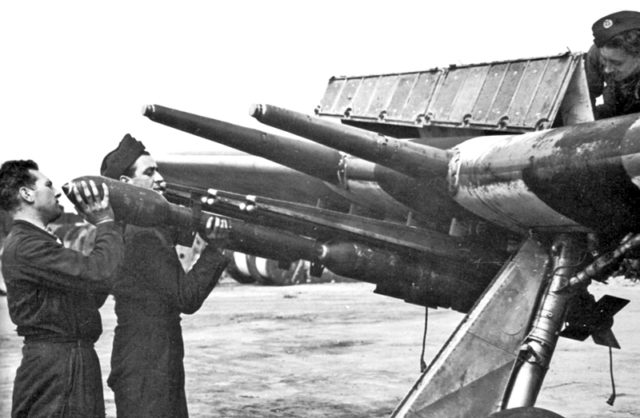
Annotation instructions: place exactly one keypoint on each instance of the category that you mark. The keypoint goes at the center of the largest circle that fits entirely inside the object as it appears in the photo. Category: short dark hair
(15, 174)
(629, 41)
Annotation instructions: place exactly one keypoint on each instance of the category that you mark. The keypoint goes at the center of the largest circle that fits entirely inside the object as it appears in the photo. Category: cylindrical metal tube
(413, 159)
(270, 243)
(537, 350)
(575, 178)
(420, 281)
(313, 159)
(389, 191)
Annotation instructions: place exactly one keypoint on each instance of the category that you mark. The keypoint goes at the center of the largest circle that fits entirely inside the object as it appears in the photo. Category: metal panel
(362, 98)
(400, 95)
(446, 94)
(501, 108)
(526, 92)
(420, 96)
(385, 89)
(343, 104)
(483, 109)
(546, 97)
(576, 104)
(516, 96)
(327, 104)
(468, 94)
(456, 384)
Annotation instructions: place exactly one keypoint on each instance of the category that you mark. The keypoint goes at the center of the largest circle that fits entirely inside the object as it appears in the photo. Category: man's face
(618, 64)
(146, 174)
(45, 197)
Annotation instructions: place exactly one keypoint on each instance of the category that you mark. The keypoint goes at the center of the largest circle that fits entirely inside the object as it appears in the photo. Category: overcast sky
(75, 74)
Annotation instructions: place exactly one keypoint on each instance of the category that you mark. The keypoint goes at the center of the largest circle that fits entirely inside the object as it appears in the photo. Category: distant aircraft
(485, 188)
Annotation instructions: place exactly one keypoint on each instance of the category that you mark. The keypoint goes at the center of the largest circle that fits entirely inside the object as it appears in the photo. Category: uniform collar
(24, 223)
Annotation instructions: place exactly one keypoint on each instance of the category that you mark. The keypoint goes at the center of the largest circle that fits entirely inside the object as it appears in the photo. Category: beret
(120, 159)
(611, 25)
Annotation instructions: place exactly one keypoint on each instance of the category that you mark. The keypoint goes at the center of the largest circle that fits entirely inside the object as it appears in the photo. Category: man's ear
(26, 194)
(125, 179)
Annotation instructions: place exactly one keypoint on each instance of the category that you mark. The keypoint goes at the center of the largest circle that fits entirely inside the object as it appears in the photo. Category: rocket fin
(469, 375)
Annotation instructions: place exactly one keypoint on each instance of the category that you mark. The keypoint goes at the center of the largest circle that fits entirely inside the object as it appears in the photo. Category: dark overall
(619, 97)
(152, 290)
(53, 295)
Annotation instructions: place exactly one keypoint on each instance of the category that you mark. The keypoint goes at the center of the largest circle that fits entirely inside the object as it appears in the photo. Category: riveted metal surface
(516, 96)
(400, 95)
(546, 97)
(505, 97)
(420, 96)
(526, 91)
(381, 96)
(362, 97)
(467, 95)
(328, 101)
(442, 103)
(349, 89)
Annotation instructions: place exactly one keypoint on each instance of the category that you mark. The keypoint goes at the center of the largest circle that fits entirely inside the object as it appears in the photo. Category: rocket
(429, 280)
(584, 177)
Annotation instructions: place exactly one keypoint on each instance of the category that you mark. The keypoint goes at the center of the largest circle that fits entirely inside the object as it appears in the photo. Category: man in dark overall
(54, 293)
(613, 64)
(151, 292)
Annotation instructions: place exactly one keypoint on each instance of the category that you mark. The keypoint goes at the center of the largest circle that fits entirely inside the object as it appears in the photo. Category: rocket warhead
(146, 208)
(137, 205)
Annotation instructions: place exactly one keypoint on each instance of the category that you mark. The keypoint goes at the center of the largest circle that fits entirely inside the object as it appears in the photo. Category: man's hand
(217, 231)
(90, 205)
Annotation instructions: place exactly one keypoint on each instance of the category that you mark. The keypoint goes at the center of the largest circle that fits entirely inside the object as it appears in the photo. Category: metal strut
(537, 349)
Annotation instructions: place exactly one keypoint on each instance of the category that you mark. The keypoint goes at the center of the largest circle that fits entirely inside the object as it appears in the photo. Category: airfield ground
(338, 350)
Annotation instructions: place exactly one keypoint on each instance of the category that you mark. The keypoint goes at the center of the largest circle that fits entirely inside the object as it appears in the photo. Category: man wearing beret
(151, 292)
(54, 294)
(613, 64)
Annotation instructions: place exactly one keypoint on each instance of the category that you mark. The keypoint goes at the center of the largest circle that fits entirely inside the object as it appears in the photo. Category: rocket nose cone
(68, 191)
(256, 110)
(148, 110)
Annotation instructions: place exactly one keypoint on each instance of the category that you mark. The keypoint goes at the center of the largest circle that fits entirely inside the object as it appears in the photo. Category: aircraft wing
(446, 188)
